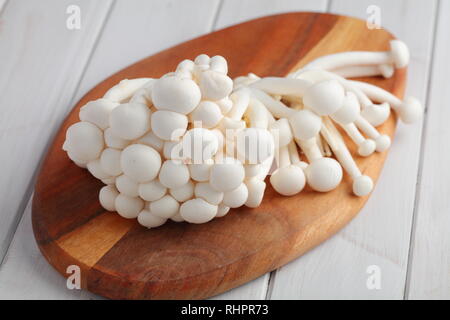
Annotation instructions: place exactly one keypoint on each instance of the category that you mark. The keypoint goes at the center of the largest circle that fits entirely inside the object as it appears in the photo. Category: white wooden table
(402, 234)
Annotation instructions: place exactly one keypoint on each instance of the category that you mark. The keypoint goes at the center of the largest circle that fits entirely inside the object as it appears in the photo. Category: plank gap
(423, 140)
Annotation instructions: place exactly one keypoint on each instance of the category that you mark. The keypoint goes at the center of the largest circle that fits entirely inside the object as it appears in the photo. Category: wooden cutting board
(120, 259)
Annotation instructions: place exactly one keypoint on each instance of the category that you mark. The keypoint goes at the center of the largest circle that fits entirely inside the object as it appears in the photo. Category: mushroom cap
(288, 181)
(219, 64)
(140, 162)
(200, 172)
(113, 141)
(174, 174)
(187, 65)
(130, 120)
(128, 207)
(110, 161)
(149, 220)
(367, 147)
(376, 114)
(107, 197)
(236, 197)
(215, 85)
(204, 191)
(177, 218)
(175, 94)
(97, 112)
(127, 186)
(256, 190)
(198, 211)
(199, 145)
(399, 53)
(222, 210)
(324, 174)
(84, 141)
(324, 97)
(168, 125)
(202, 59)
(252, 170)
(410, 110)
(165, 207)
(305, 124)
(362, 186)
(225, 105)
(152, 191)
(173, 150)
(349, 111)
(183, 193)
(207, 113)
(383, 142)
(95, 168)
(227, 175)
(151, 140)
(282, 130)
(255, 145)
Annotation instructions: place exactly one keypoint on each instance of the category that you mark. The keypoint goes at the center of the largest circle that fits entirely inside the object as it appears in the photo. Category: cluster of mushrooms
(194, 143)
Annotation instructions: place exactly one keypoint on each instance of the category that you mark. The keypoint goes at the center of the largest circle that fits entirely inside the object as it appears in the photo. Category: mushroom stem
(282, 86)
(362, 185)
(277, 108)
(397, 55)
(385, 70)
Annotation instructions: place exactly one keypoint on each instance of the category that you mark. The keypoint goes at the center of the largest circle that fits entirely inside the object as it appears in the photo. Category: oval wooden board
(122, 260)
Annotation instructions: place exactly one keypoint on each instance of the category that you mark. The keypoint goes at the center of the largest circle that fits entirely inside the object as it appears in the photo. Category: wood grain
(197, 261)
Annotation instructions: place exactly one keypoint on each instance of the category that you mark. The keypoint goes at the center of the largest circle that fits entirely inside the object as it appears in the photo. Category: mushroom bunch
(194, 143)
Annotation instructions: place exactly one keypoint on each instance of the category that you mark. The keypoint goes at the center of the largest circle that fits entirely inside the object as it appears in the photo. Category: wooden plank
(380, 235)
(39, 72)
(430, 255)
(233, 12)
(133, 31)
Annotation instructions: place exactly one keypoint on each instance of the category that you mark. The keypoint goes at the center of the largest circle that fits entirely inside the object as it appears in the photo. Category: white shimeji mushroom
(198, 211)
(287, 179)
(127, 186)
(84, 141)
(140, 162)
(150, 139)
(128, 207)
(113, 141)
(175, 94)
(206, 192)
(362, 184)
(207, 113)
(107, 197)
(227, 175)
(398, 55)
(95, 168)
(110, 161)
(150, 220)
(165, 207)
(236, 197)
(152, 191)
(182, 147)
(130, 121)
(256, 188)
(322, 174)
(183, 193)
(200, 172)
(125, 89)
(173, 174)
(199, 145)
(385, 70)
(169, 125)
(97, 112)
(409, 110)
(222, 211)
